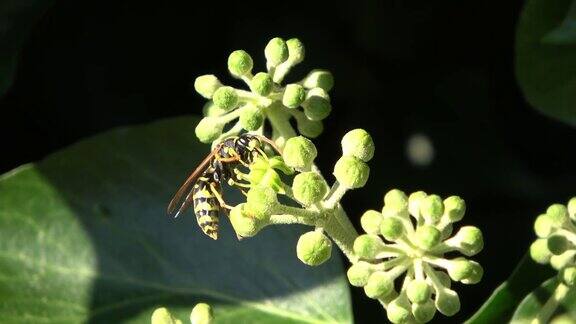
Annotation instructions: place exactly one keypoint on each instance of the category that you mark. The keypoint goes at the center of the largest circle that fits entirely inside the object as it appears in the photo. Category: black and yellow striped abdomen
(206, 206)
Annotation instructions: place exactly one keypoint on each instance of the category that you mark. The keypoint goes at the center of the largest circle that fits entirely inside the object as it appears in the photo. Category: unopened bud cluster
(201, 314)
(556, 243)
(405, 246)
(306, 100)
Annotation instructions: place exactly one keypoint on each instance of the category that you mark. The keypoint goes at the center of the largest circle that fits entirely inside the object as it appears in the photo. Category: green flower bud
(359, 273)
(276, 51)
(432, 208)
(475, 274)
(244, 225)
(310, 128)
(414, 201)
(370, 221)
(568, 276)
(206, 85)
(240, 63)
(425, 312)
(454, 208)
(262, 174)
(543, 226)
(379, 285)
(261, 84)
(296, 50)
(226, 98)
(426, 237)
(314, 248)
(261, 202)
(368, 246)
(210, 109)
(319, 79)
(294, 95)
(317, 105)
(560, 261)
(299, 153)
(418, 291)
(396, 200)
(558, 214)
(459, 269)
(392, 228)
(572, 208)
(399, 311)
(358, 143)
(351, 172)
(162, 316)
(309, 188)
(447, 302)
(539, 251)
(469, 240)
(558, 244)
(251, 117)
(201, 314)
(208, 129)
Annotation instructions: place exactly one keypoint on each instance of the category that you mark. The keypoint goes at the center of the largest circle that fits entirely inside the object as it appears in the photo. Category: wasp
(203, 187)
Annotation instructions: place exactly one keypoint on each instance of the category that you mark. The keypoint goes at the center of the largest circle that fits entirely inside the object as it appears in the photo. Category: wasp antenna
(271, 143)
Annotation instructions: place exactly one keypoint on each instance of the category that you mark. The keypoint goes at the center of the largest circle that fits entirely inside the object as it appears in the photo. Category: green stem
(336, 193)
(291, 219)
(550, 307)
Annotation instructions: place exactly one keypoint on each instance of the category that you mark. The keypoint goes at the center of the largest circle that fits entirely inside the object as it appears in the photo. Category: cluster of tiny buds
(201, 314)
(411, 236)
(308, 189)
(266, 95)
(556, 243)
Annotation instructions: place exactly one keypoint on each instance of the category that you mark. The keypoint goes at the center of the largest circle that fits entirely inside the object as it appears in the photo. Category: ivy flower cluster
(307, 101)
(407, 242)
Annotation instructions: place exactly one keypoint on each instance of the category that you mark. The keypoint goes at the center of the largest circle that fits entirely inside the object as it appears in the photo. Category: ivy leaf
(534, 305)
(546, 57)
(84, 237)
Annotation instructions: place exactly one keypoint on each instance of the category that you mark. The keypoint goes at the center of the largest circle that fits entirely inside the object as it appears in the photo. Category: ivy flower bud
(359, 273)
(560, 261)
(368, 246)
(316, 106)
(251, 117)
(263, 174)
(351, 172)
(379, 285)
(299, 153)
(399, 311)
(426, 237)
(261, 202)
(414, 201)
(475, 275)
(543, 226)
(208, 129)
(558, 244)
(432, 208)
(459, 269)
(572, 208)
(211, 110)
(261, 84)
(240, 63)
(309, 128)
(391, 228)
(418, 291)
(469, 240)
(370, 221)
(314, 248)
(358, 143)
(424, 312)
(539, 251)
(558, 214)
(226, 98)
(396, 200)
(568, 276)
(244, 225)
(201, 314)
(162, 316)
(447, 302)
(294, 95)
(309, 188)
(296, 50)
(276, 51)
(206, 85)
(319, 79)
(454, 208)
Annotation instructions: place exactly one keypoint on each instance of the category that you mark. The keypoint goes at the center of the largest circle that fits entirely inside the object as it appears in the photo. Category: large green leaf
(530, 308)
(501, 304)
(84, 238)
(546, 57)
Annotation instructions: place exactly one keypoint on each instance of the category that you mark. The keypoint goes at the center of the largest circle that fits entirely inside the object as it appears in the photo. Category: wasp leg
(219, 197)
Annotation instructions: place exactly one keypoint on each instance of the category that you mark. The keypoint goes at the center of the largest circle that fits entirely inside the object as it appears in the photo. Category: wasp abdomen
(206, 207)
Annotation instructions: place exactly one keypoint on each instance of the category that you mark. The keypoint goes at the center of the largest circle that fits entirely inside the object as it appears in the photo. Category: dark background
(442, 68)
